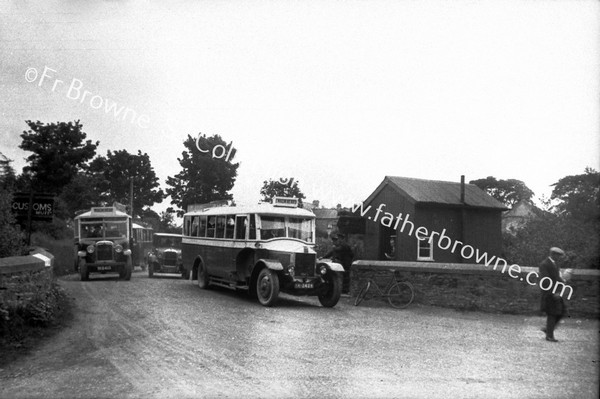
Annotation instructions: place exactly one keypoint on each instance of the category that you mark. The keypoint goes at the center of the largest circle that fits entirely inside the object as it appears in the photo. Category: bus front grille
(305, 264)
(104, 252)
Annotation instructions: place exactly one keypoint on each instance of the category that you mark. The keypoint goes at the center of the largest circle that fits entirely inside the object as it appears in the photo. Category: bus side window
(202, 232)
(221, 226)
(195, 226)
(186, 226)
(253, 227)
(210, 232)
(240, 227)
(229, 226)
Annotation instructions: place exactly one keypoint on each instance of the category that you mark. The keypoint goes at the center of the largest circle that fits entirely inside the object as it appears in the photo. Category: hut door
(387, 250)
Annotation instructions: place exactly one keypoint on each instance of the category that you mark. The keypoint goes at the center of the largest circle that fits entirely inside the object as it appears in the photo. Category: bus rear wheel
(267, 287)
(202, 276)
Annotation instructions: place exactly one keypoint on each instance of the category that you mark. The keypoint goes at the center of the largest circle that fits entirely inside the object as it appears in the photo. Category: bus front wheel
(267, 287)
(330, 296)
(83, 271)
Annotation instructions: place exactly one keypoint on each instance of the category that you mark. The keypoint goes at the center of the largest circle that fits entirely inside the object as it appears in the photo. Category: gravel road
(166, 338)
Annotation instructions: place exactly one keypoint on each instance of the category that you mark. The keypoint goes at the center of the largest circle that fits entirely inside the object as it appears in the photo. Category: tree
(530, 244)
(7, 173)
(281, 188)
(574, 226)
(166, 223)
(115, 174)
(203, 177)
(509, 192)
(81, 193)
(579, 196)
(59, 152)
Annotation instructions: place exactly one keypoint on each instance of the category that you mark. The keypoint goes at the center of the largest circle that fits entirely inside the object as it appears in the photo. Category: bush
(11, 237)
(580, 241)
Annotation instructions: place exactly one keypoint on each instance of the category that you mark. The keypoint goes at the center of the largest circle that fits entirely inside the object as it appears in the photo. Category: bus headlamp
(118, 248)
(127, 252)
(323, 270)
(90, 249)
(291, 270)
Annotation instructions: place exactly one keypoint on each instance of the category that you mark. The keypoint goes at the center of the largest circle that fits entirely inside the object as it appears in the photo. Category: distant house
(519, 215)
(461, 211)
(326, 221)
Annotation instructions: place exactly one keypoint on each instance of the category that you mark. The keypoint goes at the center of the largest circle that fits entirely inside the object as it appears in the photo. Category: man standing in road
(552, 303)
(342, 253)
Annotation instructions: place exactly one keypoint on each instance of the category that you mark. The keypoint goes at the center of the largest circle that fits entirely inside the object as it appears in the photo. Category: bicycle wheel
(362, 293)
(401, 294)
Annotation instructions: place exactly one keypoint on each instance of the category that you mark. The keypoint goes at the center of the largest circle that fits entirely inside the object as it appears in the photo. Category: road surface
(166, 338)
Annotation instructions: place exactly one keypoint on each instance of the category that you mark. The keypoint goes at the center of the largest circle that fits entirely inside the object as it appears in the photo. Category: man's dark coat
(552, 304)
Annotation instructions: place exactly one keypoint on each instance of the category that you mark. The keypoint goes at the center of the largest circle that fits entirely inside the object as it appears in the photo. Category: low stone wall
(477, 287)
(24, 280)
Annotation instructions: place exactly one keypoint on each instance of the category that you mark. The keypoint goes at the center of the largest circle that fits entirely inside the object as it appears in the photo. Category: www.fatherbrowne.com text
(466, 251)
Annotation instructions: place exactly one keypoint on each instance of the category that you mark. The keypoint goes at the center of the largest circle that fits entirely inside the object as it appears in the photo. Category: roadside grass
(22, 329)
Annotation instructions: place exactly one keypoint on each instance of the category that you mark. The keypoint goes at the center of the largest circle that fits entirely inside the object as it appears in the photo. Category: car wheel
(267, 287)
(331, 295)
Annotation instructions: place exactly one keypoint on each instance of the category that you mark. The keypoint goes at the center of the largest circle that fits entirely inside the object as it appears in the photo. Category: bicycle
(399, 293)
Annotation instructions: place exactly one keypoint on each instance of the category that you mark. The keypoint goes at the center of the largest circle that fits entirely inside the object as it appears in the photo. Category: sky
(337, 94)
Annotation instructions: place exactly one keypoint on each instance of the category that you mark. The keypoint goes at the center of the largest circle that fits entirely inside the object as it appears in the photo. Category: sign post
(31, 206)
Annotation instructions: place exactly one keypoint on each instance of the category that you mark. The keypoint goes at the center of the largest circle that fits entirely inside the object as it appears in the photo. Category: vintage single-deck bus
(102, 242)
(263, 249)
(141, 245)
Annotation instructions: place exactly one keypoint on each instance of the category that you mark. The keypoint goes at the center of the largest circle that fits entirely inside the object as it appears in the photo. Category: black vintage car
(102, 242)
(165, 255)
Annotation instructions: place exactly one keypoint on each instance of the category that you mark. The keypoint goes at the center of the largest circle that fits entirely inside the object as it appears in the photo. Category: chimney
(462, 189)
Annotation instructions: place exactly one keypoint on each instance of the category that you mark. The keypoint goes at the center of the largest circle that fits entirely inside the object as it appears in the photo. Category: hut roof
(423, 191)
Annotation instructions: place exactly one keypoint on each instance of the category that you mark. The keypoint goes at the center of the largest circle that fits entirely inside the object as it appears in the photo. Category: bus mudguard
(271, 264)
(336, 267)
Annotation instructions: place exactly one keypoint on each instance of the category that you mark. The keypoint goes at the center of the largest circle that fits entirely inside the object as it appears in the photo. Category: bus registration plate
(101, 268)
(303, 286)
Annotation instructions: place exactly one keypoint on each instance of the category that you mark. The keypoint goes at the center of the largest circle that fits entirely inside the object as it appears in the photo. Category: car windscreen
(164, 242)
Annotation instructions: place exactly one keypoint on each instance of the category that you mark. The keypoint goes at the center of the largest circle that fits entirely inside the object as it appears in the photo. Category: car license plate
(303, 286)
(103, 267)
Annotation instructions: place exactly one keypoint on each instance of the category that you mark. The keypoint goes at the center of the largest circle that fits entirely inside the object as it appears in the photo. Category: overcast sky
(336, 93)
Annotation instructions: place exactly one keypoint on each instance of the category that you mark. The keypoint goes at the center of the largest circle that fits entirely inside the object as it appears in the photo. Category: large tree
(7, 173)
(205, 175)
(579, 195)
(281, 188)
(59, 150)
(509, 191)
(118, 170)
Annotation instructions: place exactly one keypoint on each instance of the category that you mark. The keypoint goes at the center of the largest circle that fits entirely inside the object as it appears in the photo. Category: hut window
(425, 250)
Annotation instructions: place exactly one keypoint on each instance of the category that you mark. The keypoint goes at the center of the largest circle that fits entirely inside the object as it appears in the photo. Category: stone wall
(477, 287)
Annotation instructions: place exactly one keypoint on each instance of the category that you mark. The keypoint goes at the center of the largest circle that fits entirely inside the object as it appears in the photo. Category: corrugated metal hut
(461, 211)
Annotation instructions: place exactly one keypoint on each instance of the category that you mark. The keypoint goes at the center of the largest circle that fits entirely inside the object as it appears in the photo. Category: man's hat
(556, 250)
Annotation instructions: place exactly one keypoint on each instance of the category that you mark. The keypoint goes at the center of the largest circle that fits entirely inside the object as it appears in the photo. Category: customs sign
(42, 206)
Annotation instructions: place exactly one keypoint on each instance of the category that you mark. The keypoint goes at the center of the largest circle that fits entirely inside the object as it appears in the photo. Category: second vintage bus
(263, 249)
